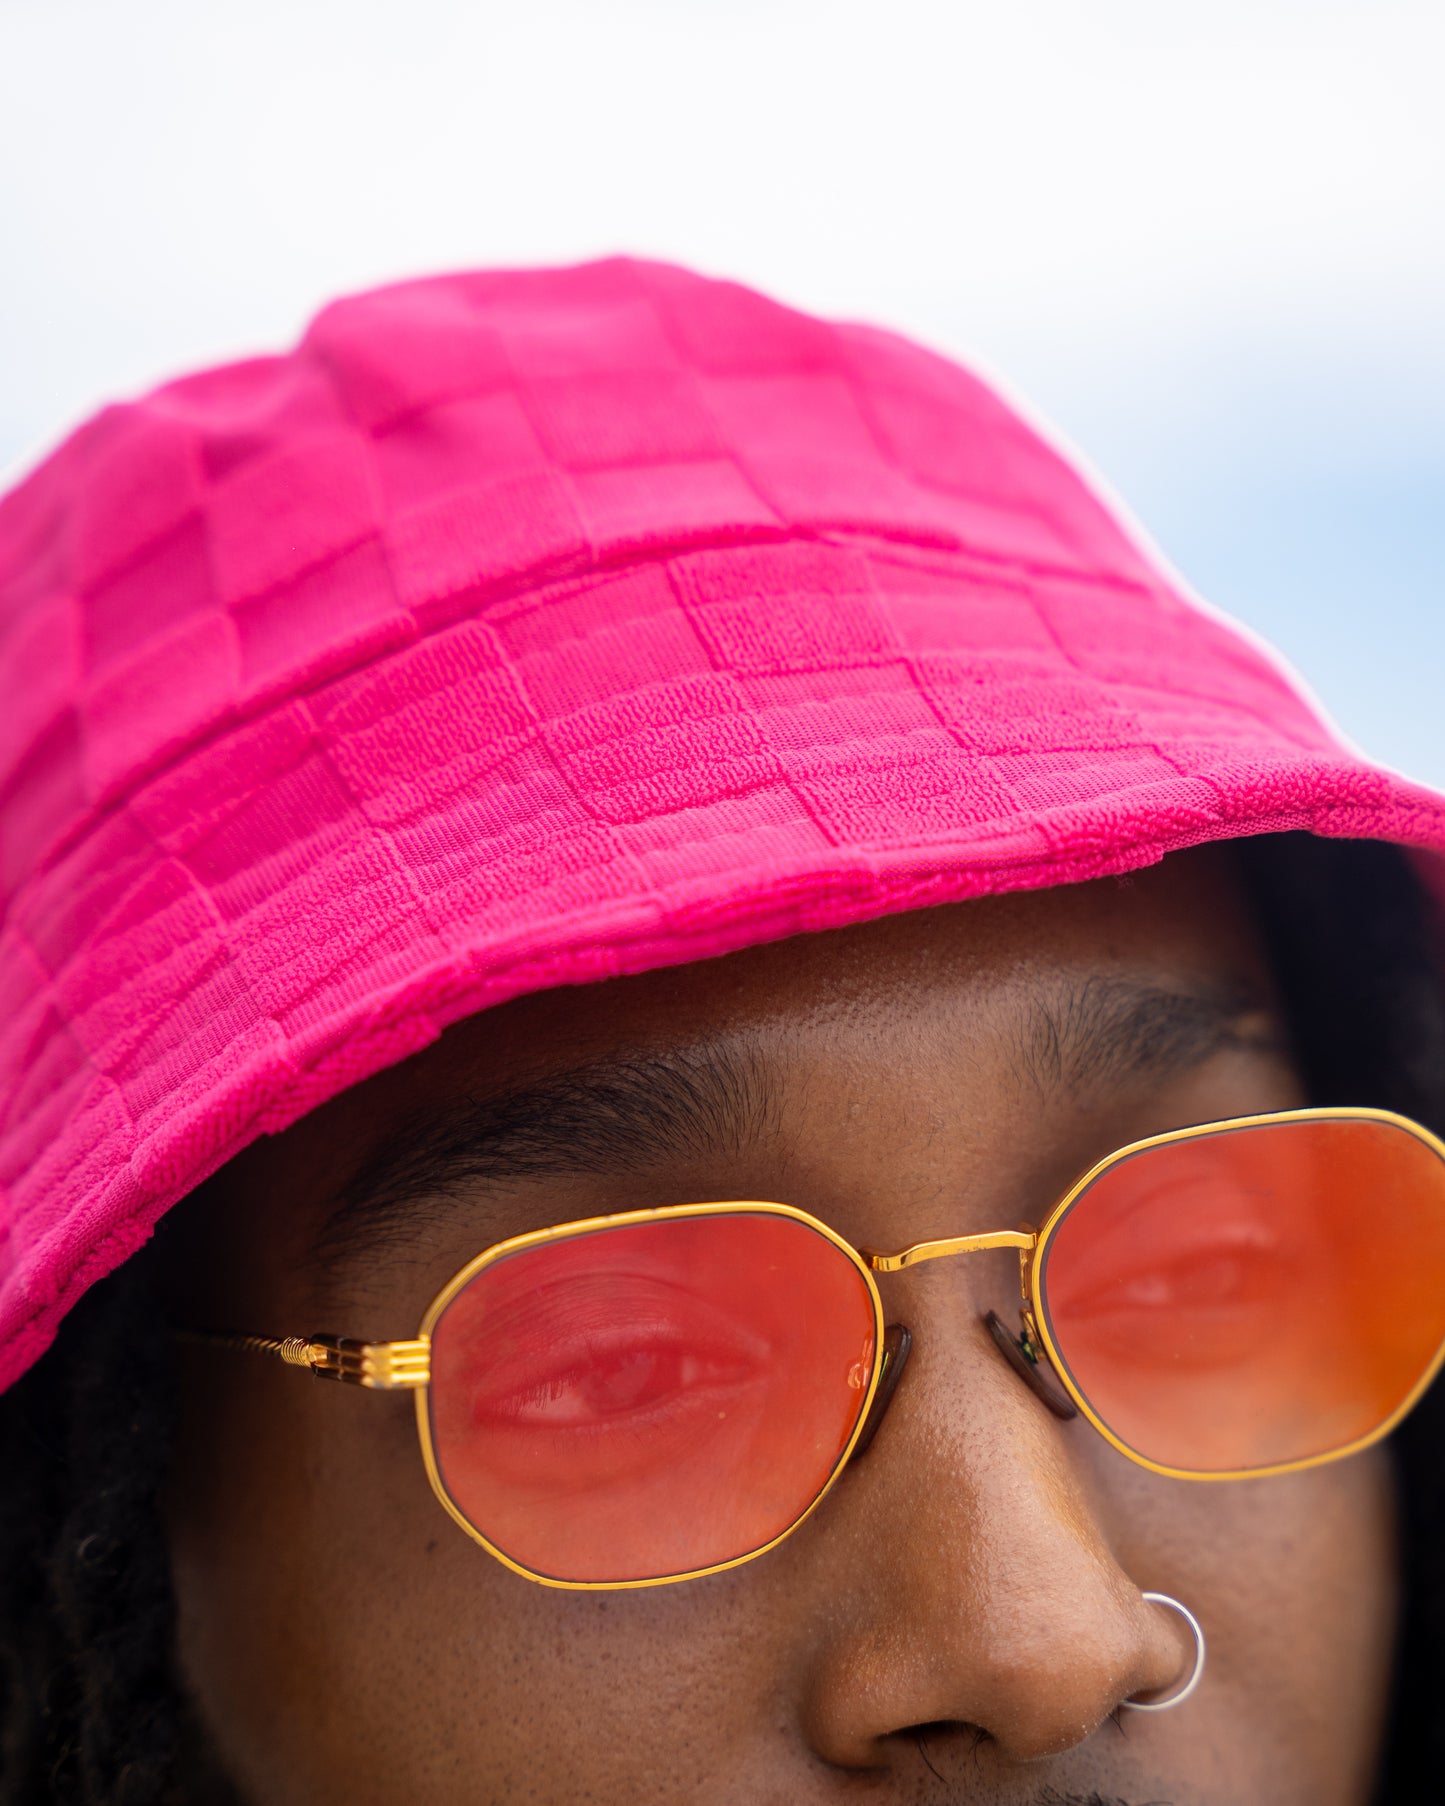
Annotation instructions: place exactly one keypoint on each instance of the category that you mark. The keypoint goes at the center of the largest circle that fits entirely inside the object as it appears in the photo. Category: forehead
(1182, 924)
(869, 1059)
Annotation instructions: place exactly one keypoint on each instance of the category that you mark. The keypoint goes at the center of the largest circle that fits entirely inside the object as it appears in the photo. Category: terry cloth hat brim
(524, 629)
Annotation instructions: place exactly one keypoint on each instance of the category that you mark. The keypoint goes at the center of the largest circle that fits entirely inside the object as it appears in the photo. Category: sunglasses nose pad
(1025, 1364)
(897, 1343)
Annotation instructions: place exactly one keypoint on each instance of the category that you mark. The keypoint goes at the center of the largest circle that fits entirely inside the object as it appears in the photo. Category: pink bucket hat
(524, 628)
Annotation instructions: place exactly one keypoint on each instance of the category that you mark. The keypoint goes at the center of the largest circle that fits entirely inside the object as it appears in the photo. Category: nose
(973, 1585)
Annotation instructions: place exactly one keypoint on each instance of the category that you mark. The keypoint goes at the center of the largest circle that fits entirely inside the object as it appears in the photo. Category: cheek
(301, 1523)
(1294, 1579)
(344, 1639)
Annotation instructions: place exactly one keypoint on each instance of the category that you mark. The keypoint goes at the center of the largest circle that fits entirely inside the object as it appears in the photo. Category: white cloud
(1206, 238)
(1030, 179)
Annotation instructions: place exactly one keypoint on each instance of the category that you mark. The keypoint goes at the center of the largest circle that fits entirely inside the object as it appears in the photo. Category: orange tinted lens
(1253, 1296)
(631, 1403)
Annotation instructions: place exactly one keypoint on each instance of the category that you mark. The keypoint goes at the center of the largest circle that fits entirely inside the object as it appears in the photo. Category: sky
(1205, 242)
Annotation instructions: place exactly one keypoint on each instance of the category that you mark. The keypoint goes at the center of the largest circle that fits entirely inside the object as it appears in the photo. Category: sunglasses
(654, 1396)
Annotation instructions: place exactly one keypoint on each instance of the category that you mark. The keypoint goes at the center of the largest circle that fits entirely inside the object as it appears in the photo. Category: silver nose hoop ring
(1195, 1674)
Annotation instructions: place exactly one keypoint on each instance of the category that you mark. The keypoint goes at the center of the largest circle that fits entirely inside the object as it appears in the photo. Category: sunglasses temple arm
(379, 1366)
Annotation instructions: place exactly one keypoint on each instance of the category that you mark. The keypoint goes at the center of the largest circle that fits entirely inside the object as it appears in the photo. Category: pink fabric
(524, 628)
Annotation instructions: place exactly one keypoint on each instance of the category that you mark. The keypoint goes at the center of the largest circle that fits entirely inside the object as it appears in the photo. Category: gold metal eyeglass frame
(405, 1365)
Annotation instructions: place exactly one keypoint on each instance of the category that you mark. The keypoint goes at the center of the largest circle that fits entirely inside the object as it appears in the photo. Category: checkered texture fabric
(524, 628)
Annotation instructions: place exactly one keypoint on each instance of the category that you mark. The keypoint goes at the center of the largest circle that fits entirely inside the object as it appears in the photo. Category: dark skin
(962, 1617)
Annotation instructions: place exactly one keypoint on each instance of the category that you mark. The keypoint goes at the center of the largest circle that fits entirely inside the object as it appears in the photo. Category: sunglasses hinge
(380, 1366)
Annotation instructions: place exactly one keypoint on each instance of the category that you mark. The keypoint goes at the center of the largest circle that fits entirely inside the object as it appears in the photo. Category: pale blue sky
(1303, 492)
(1207, 242)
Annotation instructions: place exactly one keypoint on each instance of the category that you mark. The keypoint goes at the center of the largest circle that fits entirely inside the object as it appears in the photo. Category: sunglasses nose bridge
(898, 1339)
(877, 1261)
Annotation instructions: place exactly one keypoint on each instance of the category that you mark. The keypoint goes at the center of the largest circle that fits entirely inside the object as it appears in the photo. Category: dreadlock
(92, 1712)
(89, 1708)
(1355, 952)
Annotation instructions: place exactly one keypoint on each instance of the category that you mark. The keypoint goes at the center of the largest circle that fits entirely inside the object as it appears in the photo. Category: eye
(1205, 1278)
(633, 1350)
(602, 1381)
(1179, 1248)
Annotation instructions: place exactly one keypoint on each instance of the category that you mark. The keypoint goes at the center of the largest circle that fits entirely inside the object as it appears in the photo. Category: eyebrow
(1077, 1039)
(638, 1110)
(610, 1116)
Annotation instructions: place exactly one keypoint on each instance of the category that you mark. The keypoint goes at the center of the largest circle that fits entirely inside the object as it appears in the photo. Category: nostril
(945, 1730)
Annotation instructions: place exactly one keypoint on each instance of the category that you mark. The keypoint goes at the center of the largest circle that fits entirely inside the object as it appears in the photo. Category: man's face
(961, 1617)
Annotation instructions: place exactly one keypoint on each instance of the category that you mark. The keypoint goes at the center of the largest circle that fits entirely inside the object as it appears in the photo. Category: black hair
(89, 1709)
(1355, 946)
(92, 1710)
